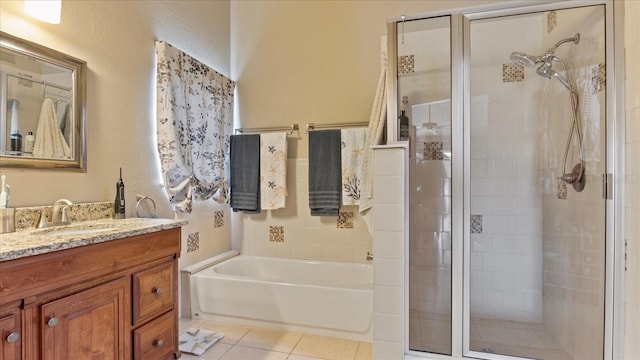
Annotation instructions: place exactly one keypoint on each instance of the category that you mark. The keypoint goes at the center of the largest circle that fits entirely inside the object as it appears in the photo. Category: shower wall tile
(512, 73)
(503, 186)
(476, 224)
(218, 219)
(193, 242)
(389, 257)
(552, 21)
(386, 189)
(598, 78)
(561, 189)
(276, 233)
(345, 220)
(406, 64)
(433, 150)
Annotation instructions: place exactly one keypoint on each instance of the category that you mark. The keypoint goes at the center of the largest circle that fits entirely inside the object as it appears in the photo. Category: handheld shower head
(523, 59)
(546, 71)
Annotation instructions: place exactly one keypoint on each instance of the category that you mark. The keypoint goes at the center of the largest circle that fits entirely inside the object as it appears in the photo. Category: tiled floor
(253, 343)
(431, 332)
(515, 338)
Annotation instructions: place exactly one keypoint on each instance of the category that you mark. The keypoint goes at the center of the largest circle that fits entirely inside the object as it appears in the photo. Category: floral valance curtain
(194, 122)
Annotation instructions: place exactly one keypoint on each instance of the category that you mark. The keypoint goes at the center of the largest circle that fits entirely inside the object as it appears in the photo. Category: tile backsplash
(28, 217)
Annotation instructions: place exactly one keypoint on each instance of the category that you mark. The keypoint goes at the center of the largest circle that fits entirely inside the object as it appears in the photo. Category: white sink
(80, 229)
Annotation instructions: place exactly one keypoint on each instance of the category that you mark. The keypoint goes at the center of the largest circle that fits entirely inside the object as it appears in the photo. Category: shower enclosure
(510, 212)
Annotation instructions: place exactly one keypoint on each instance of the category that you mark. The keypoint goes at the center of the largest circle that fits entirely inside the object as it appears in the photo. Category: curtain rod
(292, 128)
(312, 126)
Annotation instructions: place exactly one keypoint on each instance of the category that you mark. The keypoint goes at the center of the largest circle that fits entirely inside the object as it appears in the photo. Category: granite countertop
(40, 241)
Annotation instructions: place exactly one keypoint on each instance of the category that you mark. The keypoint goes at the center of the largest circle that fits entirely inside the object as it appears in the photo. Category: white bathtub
(323, 298)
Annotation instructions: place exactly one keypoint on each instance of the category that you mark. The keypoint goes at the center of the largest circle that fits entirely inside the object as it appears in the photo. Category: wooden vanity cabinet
(112, 300)
(11, 332)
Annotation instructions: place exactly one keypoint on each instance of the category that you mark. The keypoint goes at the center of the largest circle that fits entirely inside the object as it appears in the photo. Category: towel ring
(140, 199)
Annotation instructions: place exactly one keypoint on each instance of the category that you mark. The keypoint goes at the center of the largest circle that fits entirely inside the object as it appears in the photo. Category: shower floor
(431, 332)
(515, 339)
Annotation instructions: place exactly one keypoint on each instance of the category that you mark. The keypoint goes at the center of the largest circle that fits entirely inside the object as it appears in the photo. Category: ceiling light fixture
(45, 10)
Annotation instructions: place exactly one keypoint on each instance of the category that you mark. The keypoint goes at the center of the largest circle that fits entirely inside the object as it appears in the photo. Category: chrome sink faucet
(58, 214)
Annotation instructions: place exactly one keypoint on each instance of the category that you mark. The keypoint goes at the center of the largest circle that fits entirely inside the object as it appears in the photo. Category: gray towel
(245, 173)
(325, 173)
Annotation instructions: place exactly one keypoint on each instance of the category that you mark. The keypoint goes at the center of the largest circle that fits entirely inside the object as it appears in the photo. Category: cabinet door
(11, 342)
(86, 325)
(156, 340)
(153, 291)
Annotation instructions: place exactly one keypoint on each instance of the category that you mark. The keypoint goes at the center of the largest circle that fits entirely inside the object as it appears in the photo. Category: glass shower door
(537, 213)
(424, 101)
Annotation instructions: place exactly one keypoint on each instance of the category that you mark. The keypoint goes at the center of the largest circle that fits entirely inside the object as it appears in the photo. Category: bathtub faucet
(369, 256)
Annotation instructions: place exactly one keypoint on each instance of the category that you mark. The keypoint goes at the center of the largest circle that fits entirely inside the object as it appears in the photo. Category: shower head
(546, 61)
(546, 71)
(523, 59)
(527, 60)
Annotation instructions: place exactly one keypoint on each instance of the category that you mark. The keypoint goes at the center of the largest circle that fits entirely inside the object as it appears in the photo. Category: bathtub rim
(215, 274)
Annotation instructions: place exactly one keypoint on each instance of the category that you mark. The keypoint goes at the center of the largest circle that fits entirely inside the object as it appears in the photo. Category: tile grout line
(355, 356)
(296, 345)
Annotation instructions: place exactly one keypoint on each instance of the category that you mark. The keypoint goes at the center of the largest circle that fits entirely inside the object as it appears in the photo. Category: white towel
(374, 137)
(273, 170)
(353, 145)
(50, 142)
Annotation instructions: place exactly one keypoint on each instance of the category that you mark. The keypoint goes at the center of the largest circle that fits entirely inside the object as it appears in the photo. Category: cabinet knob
(158, 343)
(157, 290)
(13, 337)
(52, 322)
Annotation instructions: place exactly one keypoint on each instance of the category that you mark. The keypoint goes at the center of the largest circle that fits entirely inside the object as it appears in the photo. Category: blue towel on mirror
(245, 173)
(325, 172)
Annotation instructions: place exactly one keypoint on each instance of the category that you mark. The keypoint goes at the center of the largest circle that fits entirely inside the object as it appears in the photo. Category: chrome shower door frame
(613, 331)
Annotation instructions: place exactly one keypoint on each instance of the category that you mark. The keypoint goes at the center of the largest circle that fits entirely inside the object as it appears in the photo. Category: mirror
(42, 107)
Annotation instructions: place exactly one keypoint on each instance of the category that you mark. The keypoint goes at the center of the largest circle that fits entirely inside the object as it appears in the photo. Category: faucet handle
(42, 223)
(63, 217)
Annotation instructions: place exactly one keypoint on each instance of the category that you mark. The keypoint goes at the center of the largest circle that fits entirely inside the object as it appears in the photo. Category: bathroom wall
(293, 233)
(117, 41)
(632, 181)
(311, 61)
(308, 62)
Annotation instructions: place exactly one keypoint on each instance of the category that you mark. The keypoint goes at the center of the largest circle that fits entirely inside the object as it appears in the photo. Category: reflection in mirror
(42, 96)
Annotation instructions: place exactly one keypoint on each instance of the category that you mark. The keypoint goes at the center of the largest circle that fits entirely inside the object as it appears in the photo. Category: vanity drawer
(155, 340)
(153, 291)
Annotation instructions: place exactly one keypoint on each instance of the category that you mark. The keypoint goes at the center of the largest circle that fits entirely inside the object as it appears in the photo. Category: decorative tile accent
(406, 65)
(218, 219)
(193, 242)
(512, 73)
(551, 21)
(598, 78)
(476, 224)
(561, 189)
(433, 150)
(276, 233)
(345, 220)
